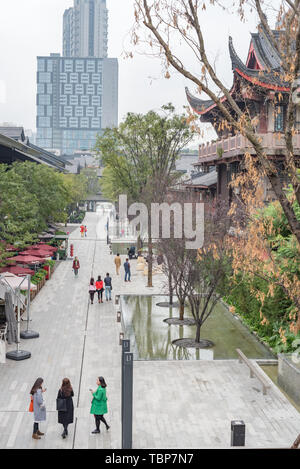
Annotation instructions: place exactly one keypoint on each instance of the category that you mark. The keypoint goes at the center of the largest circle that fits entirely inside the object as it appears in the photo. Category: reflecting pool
(151, 338)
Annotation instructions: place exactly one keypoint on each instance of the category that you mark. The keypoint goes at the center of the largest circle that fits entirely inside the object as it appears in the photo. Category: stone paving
(176, 404)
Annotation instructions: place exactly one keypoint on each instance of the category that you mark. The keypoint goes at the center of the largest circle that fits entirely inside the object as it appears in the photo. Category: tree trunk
(150, 252)
(198, 332)
(170, 289)
(181, 311)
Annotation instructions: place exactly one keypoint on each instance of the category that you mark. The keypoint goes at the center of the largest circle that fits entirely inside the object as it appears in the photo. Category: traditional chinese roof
(270, 78)
(203, 180)
(262, 69)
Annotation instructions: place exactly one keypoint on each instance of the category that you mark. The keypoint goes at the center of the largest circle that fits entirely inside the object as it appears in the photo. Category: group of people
(65, 406)
(99, 286)
(127, 268)
(83, 231)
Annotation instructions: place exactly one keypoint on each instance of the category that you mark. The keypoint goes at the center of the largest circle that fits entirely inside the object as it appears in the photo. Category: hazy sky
(29, 28)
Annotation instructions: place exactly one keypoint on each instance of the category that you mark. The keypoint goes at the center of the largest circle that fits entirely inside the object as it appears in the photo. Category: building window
(44, 99)
(279, 119)
(79, 66)
(74, 100)
(96, 101)
(49, 66)
(63, 100)
(90, 89)
(85, 78)
(79, 89)
(74, 78)
(63, 78)
(44, 77)
(74, 122)
(41, 65)
(68, 111)
(90, 66)
(68, 66)
(79, 111)
(68, 89)
(44, 121)
(96, 78)
(41, 88)
(40, 111)
(84, 100)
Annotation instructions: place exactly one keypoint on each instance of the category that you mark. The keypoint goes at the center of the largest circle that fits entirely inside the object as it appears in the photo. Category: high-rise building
(76, 99)
(77, 94)
(85, 29)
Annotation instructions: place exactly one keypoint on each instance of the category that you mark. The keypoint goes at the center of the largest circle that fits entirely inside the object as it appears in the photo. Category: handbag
(31, 404)
(61, 404)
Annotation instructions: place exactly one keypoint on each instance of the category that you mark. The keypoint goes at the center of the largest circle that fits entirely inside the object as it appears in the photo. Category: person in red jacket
(82, 231)
(76, 266)
(99, 287)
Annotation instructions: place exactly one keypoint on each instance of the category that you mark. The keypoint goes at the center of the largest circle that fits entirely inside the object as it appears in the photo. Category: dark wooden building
(258, 86)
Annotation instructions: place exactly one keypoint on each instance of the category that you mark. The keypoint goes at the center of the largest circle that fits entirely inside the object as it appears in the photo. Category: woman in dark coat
(66, 417)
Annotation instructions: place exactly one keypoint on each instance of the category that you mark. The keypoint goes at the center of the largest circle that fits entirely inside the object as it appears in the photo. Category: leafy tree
(139, 158)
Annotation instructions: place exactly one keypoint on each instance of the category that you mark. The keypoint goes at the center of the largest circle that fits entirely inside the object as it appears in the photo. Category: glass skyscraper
(77, 94)
(85, 29)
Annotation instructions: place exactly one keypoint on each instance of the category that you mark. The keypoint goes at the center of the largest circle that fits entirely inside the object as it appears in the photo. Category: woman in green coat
(99, 404)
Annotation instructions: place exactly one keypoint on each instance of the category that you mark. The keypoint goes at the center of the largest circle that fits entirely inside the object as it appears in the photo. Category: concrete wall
(289, 376)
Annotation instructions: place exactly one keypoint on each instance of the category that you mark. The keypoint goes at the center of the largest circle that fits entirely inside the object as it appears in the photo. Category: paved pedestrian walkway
(176, 404)
(77, 340)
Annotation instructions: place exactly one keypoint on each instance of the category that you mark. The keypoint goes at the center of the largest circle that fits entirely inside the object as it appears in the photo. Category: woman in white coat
(39, 408)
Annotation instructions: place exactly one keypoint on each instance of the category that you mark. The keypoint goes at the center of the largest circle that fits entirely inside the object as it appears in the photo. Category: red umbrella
(16, 270)
(27, 259)
(45, 247)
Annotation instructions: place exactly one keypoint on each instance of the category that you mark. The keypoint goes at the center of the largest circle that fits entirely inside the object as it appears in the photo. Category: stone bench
(253, 370)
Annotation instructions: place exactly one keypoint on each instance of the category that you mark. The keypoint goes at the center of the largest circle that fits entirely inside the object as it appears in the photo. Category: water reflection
(151, 338)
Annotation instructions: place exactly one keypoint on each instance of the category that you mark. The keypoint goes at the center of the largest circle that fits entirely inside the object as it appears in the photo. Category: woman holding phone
(39, 408)
(99, 404)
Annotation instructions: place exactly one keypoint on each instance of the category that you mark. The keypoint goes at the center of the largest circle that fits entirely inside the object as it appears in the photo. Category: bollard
(127, 400)
(118, 316)
(121, 337)
(238, 430)
(117, 299)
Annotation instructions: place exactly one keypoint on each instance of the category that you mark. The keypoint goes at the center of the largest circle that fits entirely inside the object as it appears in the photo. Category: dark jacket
(65, 418)
(107, 281)
(127, 266)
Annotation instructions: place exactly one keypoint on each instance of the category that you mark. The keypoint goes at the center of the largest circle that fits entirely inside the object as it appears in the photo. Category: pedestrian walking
(85, 231)
(127, 271)
(99, 404)
(108, 287)
(92, 290)
(76, 266)
(65, 405)
(82, 230)
(118, 263)
(99, 289)
(38, 407)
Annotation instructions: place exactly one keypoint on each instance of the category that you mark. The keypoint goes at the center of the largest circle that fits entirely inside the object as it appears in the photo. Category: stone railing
(239, 142)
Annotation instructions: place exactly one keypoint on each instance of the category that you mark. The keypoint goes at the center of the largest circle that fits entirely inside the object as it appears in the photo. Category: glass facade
(69, 102)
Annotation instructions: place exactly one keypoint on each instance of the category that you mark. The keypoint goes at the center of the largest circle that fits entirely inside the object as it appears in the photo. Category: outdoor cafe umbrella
(17, 270)
(27, 259)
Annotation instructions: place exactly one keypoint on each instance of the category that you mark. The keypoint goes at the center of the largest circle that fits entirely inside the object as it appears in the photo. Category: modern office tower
(85, 29)
(76, 99)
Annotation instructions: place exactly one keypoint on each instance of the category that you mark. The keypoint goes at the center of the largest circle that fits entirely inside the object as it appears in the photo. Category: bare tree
(178, 22)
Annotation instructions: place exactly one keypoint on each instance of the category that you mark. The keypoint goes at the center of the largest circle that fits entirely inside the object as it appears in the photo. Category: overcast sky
(29, 28)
